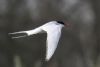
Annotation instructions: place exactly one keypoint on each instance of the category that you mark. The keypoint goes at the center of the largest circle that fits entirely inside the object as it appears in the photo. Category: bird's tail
(18, 34)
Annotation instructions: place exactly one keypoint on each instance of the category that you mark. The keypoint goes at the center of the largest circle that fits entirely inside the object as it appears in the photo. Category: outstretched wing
(34, 31)
(52, 42)
(27, 33)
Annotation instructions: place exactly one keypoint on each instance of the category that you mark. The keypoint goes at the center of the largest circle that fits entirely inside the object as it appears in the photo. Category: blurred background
(79, 45)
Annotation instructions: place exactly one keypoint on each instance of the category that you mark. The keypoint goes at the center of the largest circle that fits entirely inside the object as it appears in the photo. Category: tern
(53, 30)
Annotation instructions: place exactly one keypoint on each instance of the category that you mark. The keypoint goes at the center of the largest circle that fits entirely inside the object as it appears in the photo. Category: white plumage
(53, 30)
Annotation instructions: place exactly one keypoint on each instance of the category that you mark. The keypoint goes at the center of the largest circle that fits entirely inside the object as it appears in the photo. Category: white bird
(53, 30)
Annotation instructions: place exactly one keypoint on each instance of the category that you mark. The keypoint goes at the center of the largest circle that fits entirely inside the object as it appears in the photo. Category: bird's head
(64, 23)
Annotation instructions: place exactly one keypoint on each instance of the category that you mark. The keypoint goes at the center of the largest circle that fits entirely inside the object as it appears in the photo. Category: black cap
(61, 22)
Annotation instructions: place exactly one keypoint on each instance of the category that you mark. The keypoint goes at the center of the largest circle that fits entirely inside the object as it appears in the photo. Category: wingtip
(10, 33)
(19, 37)
(47, 59)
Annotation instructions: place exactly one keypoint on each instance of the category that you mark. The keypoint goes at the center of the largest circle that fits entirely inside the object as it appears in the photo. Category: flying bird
(53, 30)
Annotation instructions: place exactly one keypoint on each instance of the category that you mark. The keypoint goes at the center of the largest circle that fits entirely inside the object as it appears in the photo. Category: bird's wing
(52, 42)
(28, 33)
(34, 31)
